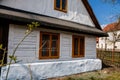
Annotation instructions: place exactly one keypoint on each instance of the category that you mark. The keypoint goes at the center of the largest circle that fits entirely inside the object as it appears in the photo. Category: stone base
(44, 70)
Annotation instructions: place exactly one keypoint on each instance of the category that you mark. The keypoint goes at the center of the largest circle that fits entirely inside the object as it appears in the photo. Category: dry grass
(110, 73)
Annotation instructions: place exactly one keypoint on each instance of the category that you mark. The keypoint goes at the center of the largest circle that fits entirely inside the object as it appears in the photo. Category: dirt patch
(106, 71)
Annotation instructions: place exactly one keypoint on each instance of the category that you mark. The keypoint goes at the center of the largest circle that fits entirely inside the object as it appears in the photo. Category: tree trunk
(113, 51)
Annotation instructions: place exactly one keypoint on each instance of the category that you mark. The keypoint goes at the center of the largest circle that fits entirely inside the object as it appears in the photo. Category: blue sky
(105, 12)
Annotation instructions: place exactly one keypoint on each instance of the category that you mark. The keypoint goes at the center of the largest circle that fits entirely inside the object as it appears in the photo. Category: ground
(107, 73)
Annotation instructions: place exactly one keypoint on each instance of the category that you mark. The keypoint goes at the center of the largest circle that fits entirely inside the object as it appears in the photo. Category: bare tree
(114, 8)
(115, 37)
(111, 1)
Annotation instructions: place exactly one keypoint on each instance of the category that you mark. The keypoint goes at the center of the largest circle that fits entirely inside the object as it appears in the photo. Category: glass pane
(75, 46)
(58, 4)
(82, 46)
(54, 49)
(45, 45)
(63, 4)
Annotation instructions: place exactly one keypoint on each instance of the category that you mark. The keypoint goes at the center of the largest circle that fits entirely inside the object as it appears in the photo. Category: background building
(107, 43)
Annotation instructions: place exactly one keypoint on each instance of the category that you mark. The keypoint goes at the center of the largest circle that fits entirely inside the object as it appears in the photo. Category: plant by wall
(30, 28)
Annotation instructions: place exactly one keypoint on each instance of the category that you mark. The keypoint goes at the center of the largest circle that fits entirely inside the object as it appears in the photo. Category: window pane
(58, 4)
(76, 46)
(54, 45)
(63, 4)
(82, 46)
(45, 44)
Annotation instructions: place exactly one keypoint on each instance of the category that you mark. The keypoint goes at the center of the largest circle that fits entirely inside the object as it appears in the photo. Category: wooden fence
(109, 57)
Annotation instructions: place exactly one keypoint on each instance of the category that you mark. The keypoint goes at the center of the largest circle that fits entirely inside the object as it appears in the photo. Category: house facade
(66, 36)
(106, 43)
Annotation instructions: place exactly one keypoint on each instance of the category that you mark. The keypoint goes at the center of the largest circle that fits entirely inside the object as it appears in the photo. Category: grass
(109, 73)
(113, 76)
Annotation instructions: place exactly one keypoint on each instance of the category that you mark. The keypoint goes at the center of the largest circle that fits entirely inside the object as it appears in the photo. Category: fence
(109, 57)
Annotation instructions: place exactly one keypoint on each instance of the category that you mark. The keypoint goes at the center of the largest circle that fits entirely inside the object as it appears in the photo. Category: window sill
(65, 11)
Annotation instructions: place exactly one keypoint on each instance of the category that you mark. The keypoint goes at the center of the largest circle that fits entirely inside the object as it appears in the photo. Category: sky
(105, 12)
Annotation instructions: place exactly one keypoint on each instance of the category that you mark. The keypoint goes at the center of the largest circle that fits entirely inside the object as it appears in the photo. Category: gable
(90, 11)
(76, 11)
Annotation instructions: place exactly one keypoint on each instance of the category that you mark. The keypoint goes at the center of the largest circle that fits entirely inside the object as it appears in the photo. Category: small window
(60, 5)
(49, 45)
(78, 46)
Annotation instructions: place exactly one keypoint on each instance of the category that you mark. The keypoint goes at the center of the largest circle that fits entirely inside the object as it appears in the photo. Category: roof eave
(19, 15)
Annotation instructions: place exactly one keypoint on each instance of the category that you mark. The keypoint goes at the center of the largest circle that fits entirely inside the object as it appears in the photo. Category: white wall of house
(101, 43)
(28, 48)
(90, 47)
(28, 51)
(109, 44)
(76, 11)
(44, 70)
(65, 46)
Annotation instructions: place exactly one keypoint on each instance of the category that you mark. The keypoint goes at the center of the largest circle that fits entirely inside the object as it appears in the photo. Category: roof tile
(112, 27)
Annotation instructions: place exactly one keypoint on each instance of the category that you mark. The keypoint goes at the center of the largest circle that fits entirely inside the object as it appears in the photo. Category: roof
(112, 27)
(51, 22)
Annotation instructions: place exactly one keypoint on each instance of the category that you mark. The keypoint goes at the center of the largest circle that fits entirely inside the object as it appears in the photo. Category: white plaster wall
(90, 47)
(65, 46)
(102, 42)
(28, 51)
(76, 11)
(44, 70)
(118, 45)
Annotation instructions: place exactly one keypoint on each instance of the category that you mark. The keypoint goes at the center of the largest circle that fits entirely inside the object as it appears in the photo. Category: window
(78, 46)
(60, 5)
(49, 45)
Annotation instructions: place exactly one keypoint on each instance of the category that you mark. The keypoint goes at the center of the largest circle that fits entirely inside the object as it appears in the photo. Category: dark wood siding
(4, 27)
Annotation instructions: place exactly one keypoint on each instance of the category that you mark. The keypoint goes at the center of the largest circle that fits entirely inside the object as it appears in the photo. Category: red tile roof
(112, 27)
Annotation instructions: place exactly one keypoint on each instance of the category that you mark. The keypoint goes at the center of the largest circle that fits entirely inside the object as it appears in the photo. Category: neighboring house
(68, 27)
(113, 31)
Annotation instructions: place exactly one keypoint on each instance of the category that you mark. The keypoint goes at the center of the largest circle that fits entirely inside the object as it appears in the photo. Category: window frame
(60, 9)
(50, 46)
(80, 53)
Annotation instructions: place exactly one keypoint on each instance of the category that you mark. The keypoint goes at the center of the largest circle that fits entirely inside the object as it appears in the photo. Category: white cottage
(106, 43)
(68, 31)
